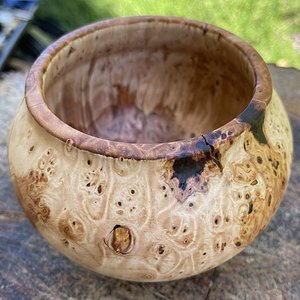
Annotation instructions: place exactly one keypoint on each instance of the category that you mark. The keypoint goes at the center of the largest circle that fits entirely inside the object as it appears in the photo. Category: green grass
(268, 25)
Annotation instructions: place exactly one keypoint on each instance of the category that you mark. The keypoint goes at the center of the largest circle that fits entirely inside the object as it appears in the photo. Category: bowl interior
(149, 82)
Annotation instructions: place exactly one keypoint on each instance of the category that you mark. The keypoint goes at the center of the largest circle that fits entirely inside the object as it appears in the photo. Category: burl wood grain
(140, 220)
(166, 217)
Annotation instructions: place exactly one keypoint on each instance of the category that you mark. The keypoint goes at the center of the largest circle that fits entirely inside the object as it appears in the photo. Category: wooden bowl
(150, 148)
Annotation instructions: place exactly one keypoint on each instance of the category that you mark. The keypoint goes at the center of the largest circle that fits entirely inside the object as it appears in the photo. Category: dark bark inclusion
(187, 168)
(255, 118)
(186, 171)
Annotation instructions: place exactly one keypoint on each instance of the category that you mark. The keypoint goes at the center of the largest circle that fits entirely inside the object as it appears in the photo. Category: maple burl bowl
(150, 148)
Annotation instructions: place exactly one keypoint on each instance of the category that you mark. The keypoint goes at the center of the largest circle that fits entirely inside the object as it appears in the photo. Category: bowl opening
(149, 82)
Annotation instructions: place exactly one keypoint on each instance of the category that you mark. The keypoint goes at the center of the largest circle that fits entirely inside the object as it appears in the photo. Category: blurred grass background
(270, 26)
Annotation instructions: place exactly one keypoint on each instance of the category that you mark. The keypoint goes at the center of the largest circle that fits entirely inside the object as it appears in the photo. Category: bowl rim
(251, 117)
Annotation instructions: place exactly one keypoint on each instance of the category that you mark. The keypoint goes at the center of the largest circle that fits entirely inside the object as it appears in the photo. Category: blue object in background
(24, 4)
(12, 38)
